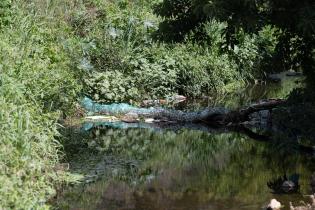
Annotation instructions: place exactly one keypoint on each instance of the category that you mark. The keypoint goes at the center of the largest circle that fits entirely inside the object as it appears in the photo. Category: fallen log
(209, 119)
(242, 115)
(216, 116)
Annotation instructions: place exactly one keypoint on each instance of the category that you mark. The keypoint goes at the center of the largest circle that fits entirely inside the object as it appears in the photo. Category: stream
(131, 168)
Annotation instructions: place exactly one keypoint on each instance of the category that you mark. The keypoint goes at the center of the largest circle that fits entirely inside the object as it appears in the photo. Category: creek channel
(126, 167)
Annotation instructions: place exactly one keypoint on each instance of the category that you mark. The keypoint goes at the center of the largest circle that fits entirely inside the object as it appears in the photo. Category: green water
(182, 168)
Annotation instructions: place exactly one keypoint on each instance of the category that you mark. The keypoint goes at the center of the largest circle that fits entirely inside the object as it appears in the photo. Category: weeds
(36, 85)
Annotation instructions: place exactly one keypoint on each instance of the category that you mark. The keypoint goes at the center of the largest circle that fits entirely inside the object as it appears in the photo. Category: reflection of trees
(245, 96)
(227, 165)
(212, 166)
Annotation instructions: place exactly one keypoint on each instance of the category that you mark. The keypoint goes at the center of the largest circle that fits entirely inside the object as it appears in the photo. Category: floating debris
(274, 205)
(101, 118)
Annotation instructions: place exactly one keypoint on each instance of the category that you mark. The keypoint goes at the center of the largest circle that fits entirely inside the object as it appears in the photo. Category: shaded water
(180, 169)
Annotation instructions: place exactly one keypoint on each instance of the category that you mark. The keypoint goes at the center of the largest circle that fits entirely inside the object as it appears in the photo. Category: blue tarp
(111, 109)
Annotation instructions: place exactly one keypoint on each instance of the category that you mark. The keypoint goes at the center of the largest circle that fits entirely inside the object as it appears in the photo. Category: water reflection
(184, 169)
(248, 95)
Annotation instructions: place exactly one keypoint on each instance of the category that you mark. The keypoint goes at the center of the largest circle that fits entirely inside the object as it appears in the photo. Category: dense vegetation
(53, 52)
(36, 82)
(294, 21)
(125, 59)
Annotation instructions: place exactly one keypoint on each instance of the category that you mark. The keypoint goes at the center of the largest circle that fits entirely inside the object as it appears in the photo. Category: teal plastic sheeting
(112, 109)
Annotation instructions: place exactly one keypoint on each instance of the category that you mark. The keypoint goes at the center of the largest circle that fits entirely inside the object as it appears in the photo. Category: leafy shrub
(246, 55)
(179, 18)
(267, 42)
(162, 70)
(5, 12)
(202, 70)
(127, 64)
(154, 72)
(110, 86)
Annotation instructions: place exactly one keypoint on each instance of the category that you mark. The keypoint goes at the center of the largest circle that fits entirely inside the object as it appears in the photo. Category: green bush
(162, 70)
(110, 86)
(5, 12)
(123, 61)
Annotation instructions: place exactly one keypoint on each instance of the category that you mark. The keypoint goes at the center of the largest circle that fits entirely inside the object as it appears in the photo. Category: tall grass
(37, 84)
(28, 150)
